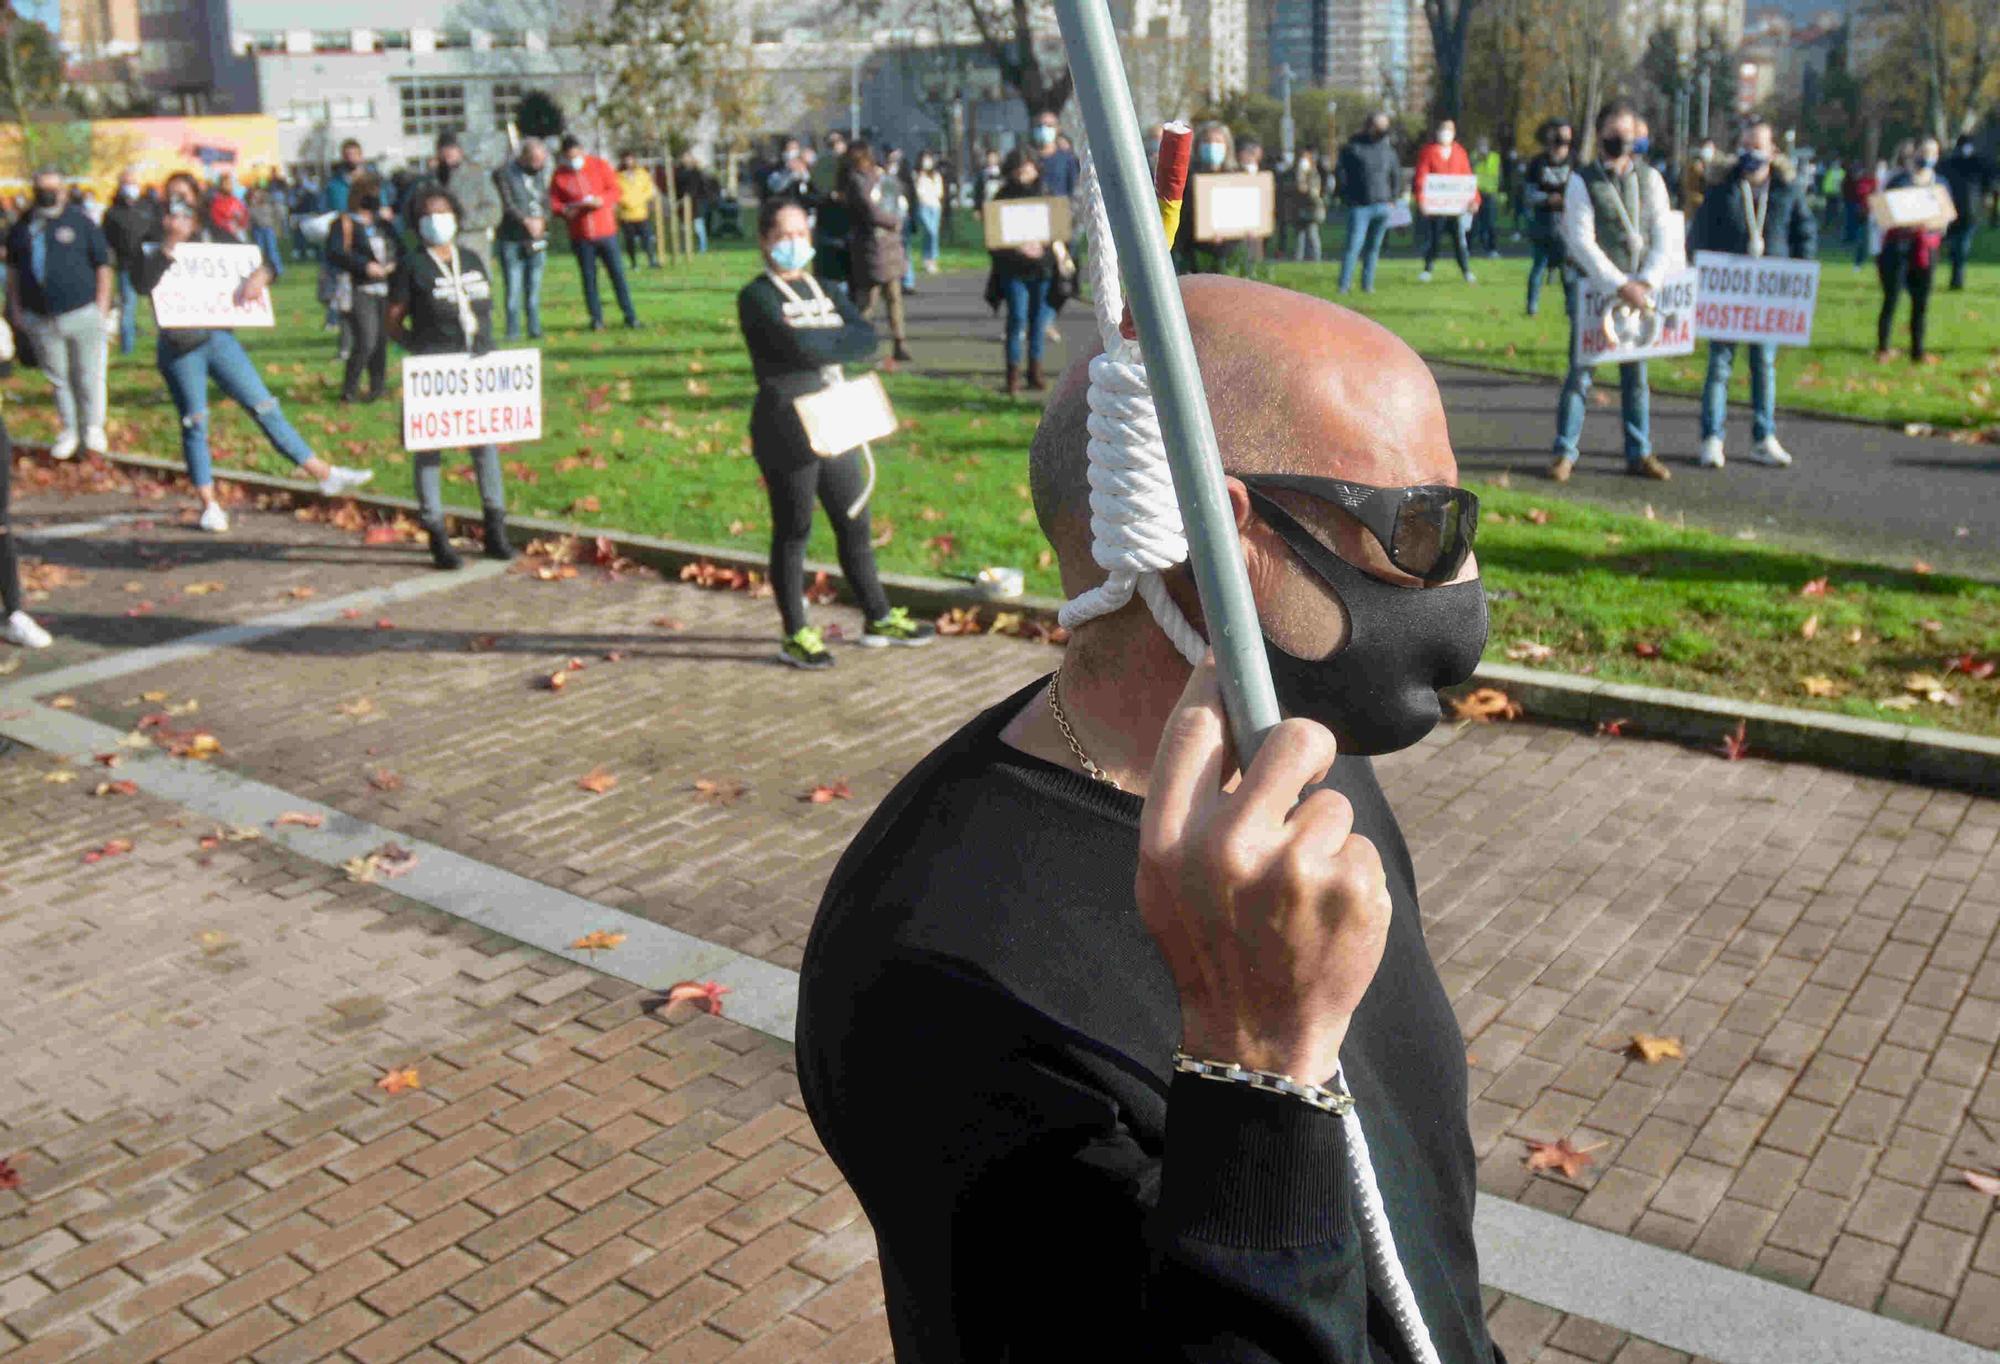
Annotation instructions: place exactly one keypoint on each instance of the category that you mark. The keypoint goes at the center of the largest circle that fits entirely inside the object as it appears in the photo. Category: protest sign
(201, 287)
(1399, 214)
(1754, 298)
(1913, 206)
(454, 401)
(846, 415)
(1229, 207)
(1022, 222)
(1447, 196)
(1667, 330)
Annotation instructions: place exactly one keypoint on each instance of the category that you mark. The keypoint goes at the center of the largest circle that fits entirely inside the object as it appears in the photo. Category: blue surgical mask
(1927, 162)
(1752, 160)
(1043, 134)
(1211, 154)
(1641, 145)
(792, 253)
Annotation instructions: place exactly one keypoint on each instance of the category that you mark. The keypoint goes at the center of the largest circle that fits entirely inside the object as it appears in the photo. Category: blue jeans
(1958, 247)
(1028, 316)
(221, 358)
(1634, 401)
(928, 217)
(1367, 225)
(522, 269)
(1763, 389)
(589, 251)
(128, 313)
(1547, 256)
(701, 232)
(267, 242)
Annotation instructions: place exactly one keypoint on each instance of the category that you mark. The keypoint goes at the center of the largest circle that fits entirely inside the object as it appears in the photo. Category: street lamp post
(1287, 130)
(1701, 81)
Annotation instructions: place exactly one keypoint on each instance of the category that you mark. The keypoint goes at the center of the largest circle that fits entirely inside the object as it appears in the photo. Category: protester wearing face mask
(875, 210)
(1214, 154)
(799, 335)
(585, 192)
(1250, 160)
(1023, 278)
(636, 195)
(1307, 202)
(59, 287)
(1369, 178)
(929, 189)
(1971, 177)
(1487, 168)
(128, 223)
(441, 303)
(364, 251)
(1059, 887)
(1757, 209)
(523, 244)
(190, 357)
(1543, 185)
(1443, 155)
(1909, 259)
(1614, 229)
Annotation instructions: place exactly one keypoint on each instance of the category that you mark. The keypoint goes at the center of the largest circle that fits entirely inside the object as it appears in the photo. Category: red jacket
(227, 213)
(569, 188)
(1435, 159)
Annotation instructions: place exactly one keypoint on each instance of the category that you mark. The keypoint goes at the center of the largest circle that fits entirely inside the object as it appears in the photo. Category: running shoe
(64, 445)
(898, 628)
(341, 480)
(1768, 451)
(214, 519)
(1711, 453)
(96, 441)
(805, 649)
(20, 628)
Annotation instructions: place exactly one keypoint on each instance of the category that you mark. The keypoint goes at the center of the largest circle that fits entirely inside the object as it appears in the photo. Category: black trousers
(369, 345)
(10, 566)
(1435, 227)
(795, 477)
(1898, 269)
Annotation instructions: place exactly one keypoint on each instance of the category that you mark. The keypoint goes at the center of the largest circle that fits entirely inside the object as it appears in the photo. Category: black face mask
(1378, 692)
(46, 198)
(1612, 145)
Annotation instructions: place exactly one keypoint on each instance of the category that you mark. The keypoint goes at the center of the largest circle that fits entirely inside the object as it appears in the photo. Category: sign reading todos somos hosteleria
(454, 401)
(1753, 298)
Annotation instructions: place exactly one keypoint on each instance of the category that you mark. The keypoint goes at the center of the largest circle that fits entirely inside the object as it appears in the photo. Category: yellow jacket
(636, 194)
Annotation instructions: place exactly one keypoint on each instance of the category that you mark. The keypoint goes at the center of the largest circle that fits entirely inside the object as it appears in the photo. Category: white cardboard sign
(846, 415)
(1674, 305)
(1755, 298)
(201, 285)
(454, 401)
(1447, 196)
(1913, 206)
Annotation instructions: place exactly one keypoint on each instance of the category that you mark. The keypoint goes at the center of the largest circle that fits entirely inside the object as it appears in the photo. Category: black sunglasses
(1426, 530)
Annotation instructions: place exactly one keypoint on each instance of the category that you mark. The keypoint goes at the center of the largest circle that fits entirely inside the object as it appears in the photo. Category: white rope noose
(1136, 534)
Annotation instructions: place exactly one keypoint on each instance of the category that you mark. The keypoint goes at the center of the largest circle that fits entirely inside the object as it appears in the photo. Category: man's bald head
(1295, 384)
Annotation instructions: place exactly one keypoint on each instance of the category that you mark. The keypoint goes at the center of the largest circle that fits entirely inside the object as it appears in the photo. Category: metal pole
(1105, 101)
(1287, 130)
(854, 94)
(1702, 81)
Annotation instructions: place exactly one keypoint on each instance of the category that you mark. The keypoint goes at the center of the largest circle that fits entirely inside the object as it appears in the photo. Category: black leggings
(10, 567)
(1434, 230)
(370, 344)
(1898, 267)
(795, 476)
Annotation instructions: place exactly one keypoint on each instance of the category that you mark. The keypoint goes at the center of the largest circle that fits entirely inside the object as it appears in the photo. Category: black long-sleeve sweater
(985, 1037)
(790, 342)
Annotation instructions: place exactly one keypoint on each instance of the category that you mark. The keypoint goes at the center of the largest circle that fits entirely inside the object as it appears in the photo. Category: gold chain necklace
(1062, 723)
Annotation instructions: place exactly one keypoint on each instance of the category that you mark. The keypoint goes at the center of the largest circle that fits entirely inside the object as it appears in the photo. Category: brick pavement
(1824, 944)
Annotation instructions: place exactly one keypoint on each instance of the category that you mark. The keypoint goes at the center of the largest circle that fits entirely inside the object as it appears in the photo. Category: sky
(45, 11)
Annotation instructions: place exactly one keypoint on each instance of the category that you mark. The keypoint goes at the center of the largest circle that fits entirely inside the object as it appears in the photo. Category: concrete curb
(1872, 747)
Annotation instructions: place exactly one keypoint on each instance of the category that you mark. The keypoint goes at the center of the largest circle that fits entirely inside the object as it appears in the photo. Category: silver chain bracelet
(1320, 1097)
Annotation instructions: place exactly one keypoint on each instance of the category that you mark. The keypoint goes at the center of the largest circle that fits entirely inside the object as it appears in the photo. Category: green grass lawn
(647, 432)
(1484, 324)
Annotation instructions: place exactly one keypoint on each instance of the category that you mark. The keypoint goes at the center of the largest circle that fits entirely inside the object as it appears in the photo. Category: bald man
(1012, 957)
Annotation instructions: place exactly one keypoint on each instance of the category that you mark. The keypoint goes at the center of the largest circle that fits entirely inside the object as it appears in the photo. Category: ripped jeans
(221, 357)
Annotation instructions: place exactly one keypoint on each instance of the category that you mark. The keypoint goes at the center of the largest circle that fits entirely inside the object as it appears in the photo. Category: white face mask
(576, 163)
(437, 229)
(128, 192)
(1447, 136)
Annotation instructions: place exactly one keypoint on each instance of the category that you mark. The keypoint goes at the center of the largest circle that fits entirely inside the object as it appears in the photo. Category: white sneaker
(213, 518)
(343, 480)
(95, 441)
(1423, 277)
(64, 446)
(1768, 451)
(1471, 278)
(21, 629)
(1711, 453)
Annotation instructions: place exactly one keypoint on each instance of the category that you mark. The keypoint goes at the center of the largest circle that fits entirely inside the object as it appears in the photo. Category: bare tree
(1954, 48)
(1450, 21)
(1008, 29)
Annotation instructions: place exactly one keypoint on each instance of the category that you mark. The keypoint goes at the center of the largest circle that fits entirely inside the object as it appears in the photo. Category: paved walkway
(207, 1165)
(1861, 490)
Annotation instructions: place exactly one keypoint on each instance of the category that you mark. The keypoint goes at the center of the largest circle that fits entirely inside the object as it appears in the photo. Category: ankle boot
(1013, 380)
(496, 534)
(442, 554)
(1035, 375)
(902, 353)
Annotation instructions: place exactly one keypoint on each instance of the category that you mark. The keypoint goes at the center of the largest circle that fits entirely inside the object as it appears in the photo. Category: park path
(208, 1169)
(1856, 490)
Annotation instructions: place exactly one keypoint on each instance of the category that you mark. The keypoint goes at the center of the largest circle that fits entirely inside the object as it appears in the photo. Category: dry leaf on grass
(1529, 651)
(1653, 1050)
(1560, 1155)
(1645, 648)
(597, 940)
(396, 1081)
(1810, 630)
(1972, 666)
(1819, 685)
(597, 780)
(1814, 588)
(1484, 704)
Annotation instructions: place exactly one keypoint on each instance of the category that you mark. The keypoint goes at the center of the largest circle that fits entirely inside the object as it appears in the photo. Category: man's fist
(1271, 912)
